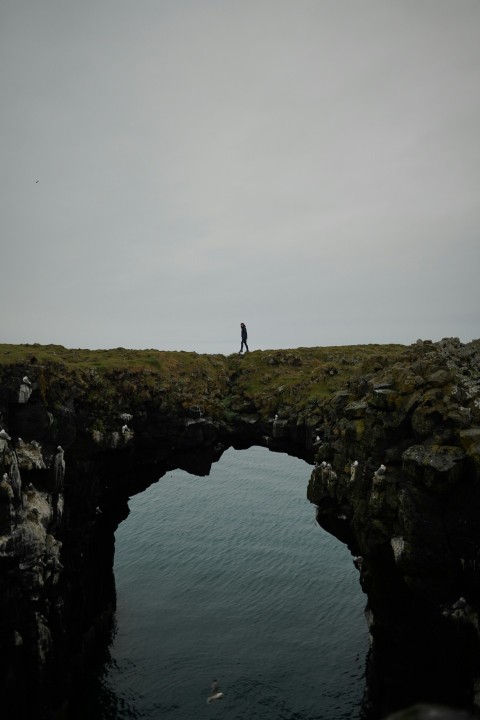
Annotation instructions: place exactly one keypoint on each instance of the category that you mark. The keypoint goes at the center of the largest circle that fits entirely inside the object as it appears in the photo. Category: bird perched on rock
(379, 474)
(25, 390)
(215, 692)
(353, 470)
(4, 435)
(358, 562)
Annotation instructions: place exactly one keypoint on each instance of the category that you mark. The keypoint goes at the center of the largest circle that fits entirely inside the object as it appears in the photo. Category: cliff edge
(393, 433)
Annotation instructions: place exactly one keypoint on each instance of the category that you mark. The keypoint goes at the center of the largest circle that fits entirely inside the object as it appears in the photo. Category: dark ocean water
(230, 577)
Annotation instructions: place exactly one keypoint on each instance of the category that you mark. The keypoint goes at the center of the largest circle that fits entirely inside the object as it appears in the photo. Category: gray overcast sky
(308, 167)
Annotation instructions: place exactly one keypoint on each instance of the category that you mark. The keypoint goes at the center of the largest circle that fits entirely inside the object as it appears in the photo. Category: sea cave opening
(229, 576)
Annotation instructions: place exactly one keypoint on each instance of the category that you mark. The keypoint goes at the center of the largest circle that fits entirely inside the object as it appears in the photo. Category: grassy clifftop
(263, 381)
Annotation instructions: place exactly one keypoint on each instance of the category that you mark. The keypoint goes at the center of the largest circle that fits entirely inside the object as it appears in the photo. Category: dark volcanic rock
(397, 479)
(415, 526)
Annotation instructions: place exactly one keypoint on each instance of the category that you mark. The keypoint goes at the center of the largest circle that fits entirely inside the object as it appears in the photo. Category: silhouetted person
(244, 337)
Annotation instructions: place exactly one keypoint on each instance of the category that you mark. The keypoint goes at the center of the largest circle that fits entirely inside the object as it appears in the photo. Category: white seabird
(353, 470)
(378, 475)
(4, 435)
(215, 692)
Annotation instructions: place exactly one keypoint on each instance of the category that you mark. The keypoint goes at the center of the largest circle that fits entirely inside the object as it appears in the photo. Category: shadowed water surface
(230, 577)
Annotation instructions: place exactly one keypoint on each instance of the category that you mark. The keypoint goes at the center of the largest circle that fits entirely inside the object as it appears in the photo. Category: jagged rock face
(30, 566)
(414, 526)
(397, 479)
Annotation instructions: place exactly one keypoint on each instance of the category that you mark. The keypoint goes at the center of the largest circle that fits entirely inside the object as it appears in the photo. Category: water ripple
(230, 576)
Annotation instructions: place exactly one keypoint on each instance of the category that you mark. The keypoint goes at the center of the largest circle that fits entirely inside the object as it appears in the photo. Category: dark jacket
(244, 333)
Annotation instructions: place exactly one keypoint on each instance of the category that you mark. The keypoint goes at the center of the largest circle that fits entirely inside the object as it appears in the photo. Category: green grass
(297, 379)
(270, 380)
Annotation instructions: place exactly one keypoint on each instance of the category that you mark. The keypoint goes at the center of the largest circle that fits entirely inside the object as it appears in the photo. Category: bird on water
(215, 692)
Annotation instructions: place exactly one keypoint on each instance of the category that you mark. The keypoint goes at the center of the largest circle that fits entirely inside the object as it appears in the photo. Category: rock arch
(413, 527)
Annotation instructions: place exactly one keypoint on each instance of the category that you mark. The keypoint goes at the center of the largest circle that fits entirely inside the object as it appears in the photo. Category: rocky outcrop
(395, 438)
(408, 509)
